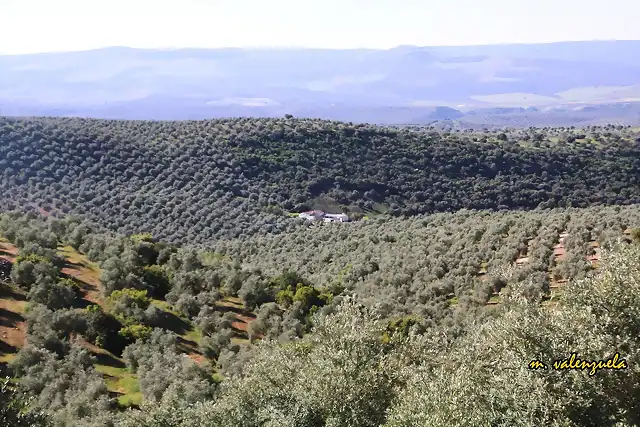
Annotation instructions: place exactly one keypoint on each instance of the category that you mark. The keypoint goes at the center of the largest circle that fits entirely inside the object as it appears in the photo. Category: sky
(30, 26)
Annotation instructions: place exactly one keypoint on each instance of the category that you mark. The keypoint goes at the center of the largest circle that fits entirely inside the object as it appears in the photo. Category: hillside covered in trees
(169, 335)
(198, 181)
(154, 274)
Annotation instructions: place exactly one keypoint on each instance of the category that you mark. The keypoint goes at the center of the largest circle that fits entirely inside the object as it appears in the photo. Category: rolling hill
(200, 180)
(155, 273)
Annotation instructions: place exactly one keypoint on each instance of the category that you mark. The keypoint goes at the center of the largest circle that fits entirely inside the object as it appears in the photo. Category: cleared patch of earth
(8, 251)
(13, 328)
(84, 272)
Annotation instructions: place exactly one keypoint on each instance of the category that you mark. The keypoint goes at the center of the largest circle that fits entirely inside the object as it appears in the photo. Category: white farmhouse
(312, 215)
(336, 218)
(322, 216)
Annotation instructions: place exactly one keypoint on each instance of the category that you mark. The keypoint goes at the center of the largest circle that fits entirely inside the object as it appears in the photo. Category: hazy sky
(54, 25)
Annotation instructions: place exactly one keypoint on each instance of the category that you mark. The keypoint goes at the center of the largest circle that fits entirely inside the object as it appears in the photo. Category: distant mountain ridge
(403, 85)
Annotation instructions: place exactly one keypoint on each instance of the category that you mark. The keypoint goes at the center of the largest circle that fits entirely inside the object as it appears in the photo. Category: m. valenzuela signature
(573, 362)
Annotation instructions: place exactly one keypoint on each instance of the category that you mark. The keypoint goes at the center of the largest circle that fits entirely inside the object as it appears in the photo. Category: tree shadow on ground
(187, 346)
(9, 319)
(173, 323)
(108, 360)
(6, 253)
(6, 292)
(237, 310)
(6, 348)
(72, 265)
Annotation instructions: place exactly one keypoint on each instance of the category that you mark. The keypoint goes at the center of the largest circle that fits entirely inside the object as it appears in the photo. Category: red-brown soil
(8, 251)
(13, 328)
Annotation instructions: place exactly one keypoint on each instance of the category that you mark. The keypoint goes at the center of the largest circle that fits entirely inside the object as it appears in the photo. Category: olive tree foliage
(33, 270)
(132, 306)
(192, 284)
(57, 372)
(232, 360)
(244, 173)
(163, 371)
(66, 388)
(55, 295)
(419, 264)
(209, 320)
(12, 408)
(484, 378)
(341, 375)
(470, 366)
(120, 273)
(54, 330)
(275, 323)
(27, 233)
(129, 262)
(212, 345)
(169, 412)
(346, 374)
(192, 290)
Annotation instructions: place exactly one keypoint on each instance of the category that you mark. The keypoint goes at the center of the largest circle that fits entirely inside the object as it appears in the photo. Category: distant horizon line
(297, 48)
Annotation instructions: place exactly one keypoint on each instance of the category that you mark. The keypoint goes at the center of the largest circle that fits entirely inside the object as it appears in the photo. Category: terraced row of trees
(347, 374)
(197, 181)
(429, 273)
(422, 265)
(213, 307)
(154, 299)
(352, 369)
(56, 364)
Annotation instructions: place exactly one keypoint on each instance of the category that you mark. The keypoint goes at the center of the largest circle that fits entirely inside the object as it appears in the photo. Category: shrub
(285, 297)
(102, 329)
(54, 296)
(156, 279)
(255, 292)
(212, 345)
(31, 269)
(135, 332)
(13, 408)
(129, 305)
